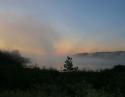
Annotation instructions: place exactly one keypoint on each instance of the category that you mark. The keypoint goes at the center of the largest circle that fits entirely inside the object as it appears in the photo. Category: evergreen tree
(68, 66)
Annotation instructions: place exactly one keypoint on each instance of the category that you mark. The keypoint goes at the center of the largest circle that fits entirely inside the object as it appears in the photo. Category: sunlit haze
(48, 30)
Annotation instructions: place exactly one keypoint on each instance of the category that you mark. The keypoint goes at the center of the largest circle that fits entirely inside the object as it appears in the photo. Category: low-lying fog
(93, 63)
(87, 63)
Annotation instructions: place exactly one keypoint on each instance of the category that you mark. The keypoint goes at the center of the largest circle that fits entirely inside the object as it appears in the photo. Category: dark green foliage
(17, 80)
(12, 58)
(68, 66)
(11, 69)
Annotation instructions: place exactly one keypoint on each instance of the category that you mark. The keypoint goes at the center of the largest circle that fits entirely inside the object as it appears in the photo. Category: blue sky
(62, 27)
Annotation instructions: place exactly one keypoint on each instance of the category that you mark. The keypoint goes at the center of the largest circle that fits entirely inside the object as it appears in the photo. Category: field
(19, 80)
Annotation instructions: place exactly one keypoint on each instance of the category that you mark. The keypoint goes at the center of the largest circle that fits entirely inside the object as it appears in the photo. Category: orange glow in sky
(63, 47)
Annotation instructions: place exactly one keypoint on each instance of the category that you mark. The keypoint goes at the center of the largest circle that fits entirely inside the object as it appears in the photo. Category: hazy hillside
(99, 60)
(108, 55)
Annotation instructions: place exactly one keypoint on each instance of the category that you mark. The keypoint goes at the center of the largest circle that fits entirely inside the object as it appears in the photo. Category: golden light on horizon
(63, 47)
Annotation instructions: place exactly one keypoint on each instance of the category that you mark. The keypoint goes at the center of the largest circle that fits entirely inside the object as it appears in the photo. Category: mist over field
(62, 48)
(47, 31)
(88, 61)
(93, 63)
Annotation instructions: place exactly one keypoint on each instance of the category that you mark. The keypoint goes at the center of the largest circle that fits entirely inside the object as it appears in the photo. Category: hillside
(113, 54)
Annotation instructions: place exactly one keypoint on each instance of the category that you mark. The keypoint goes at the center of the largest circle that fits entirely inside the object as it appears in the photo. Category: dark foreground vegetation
(19, 80)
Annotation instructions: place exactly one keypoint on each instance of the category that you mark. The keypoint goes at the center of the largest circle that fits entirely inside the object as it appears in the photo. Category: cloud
(40, 41)
(23, 33)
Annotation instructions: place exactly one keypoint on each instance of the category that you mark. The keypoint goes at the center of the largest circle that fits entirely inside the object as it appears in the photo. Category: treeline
(19, 80)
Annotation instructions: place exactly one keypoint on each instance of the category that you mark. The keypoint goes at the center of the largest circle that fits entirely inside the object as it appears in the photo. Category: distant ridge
(111, 54)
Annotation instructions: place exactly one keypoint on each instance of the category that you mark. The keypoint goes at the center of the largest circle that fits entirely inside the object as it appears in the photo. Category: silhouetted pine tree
(68, 66)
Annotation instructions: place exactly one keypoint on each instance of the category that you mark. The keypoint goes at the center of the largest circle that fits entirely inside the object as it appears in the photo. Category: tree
(12, 59)
(68, 66)
(12, 68)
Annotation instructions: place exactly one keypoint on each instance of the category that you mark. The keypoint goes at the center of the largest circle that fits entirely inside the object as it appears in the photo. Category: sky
(47, 30)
